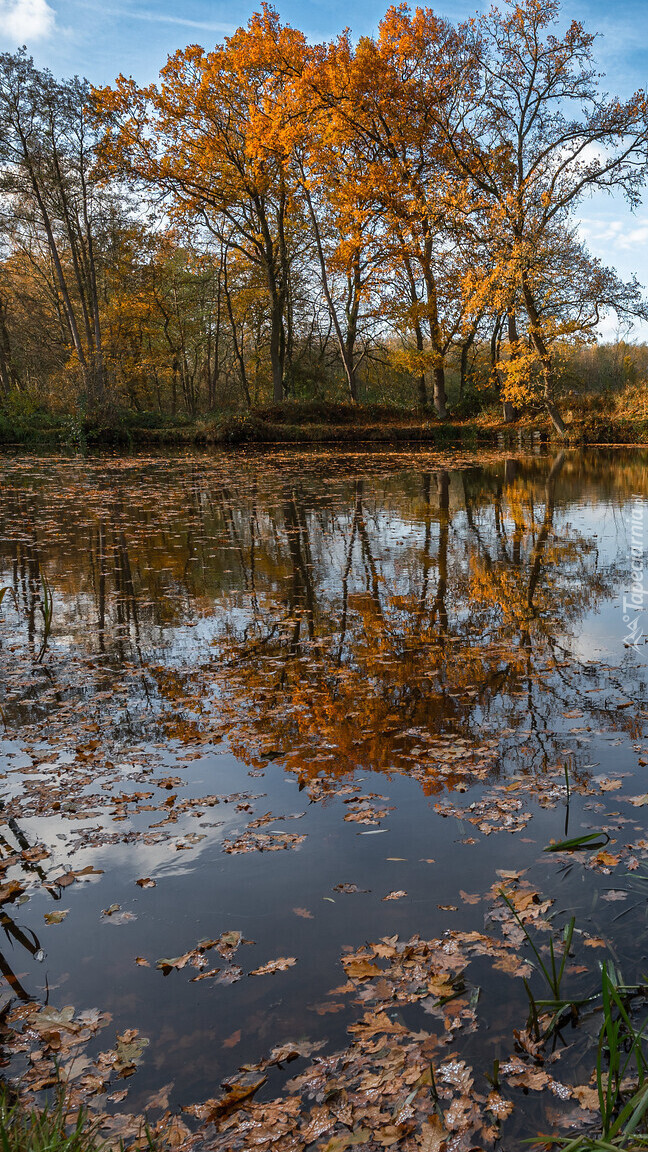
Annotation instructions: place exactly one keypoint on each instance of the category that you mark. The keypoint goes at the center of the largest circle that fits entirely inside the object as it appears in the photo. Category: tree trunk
(99, 366)
(438, 376)
(544, 355)
(495, 347)
(277, 348)
(342, 343)
(60, 278)
(213, 374)
(352, 310)
(271, 261)
(8, 375)
(465, 349)
(510, 413)
(238, 351)
(418, 331)
(438, 372)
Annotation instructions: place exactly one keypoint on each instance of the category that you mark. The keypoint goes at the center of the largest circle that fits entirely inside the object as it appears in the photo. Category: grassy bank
(315, 423)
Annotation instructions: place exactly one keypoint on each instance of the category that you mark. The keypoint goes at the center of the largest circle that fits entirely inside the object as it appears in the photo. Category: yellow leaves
(521, 376)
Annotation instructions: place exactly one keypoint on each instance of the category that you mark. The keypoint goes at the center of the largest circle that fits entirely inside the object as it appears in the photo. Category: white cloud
(606, 237)
(161, 18)
(22, 21)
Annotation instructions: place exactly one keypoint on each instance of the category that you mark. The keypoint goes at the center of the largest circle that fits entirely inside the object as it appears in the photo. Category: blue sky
(100, 38)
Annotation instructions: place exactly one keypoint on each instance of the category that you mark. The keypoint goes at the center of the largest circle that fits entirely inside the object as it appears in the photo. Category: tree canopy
(276, 218)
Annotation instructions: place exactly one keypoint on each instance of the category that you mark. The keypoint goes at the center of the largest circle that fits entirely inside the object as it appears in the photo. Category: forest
(389, 220)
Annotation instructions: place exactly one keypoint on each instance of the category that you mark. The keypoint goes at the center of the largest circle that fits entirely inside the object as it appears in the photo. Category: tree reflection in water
(349, 611)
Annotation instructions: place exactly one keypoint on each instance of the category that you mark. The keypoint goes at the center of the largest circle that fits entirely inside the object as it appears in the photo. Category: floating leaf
(128, 1051)
(279, 965)
(361, 969)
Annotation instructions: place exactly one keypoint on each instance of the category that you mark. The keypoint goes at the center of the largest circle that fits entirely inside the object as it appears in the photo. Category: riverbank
(313, 423)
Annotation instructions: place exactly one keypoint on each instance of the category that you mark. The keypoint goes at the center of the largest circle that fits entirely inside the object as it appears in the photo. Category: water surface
(285, 687)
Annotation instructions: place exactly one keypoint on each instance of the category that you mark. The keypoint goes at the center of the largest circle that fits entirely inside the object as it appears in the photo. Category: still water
(313, 700)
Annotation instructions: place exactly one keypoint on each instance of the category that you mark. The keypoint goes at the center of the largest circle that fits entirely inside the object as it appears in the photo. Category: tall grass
(24, 1128)
(621, 1076)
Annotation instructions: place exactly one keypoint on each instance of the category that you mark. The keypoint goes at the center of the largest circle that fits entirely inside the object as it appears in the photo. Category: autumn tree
(572, 291)
(47, 154)
(534, 134)
(383, 98)
(206, 138)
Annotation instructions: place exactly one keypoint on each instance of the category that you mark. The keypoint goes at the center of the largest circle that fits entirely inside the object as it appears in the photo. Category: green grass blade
(578, 843)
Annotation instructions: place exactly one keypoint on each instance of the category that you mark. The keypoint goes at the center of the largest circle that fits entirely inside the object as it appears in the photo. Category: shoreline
(293, 428)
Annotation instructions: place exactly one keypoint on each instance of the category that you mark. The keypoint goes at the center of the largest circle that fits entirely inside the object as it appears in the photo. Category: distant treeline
(387, 220)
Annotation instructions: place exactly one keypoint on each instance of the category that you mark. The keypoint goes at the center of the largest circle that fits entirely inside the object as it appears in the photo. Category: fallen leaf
(361, 969)
(587, 1097)
(56, 917)
(69, 877)
(279, 965)
(499, 1106)
(128, 1051)
(235, 1092)
(161, 1098)
(433, 1135)
(10, 890)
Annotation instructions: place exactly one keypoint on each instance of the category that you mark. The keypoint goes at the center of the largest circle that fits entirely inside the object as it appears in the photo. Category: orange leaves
(360, 968)
(211, 132)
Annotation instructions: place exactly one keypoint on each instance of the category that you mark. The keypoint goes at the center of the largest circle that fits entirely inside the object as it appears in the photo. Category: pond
(286, 738)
